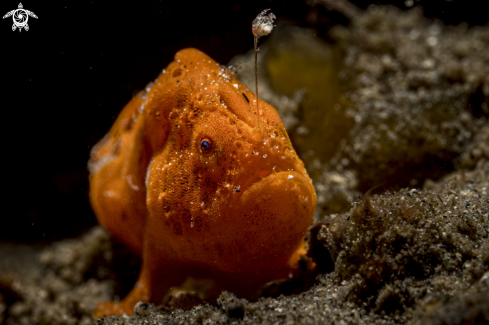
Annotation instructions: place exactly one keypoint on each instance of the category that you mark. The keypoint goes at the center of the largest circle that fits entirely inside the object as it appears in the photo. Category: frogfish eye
(206, 146)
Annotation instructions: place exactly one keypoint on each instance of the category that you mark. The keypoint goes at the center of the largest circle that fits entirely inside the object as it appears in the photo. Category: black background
(65, 80)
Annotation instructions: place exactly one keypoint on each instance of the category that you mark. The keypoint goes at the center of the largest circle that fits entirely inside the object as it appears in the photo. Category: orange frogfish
(201, 184)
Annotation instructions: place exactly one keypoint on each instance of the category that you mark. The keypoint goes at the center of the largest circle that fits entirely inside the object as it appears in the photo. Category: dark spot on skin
(177, 72)
(127, 125)
(166, 206)
(116, 133)
(177, 228)
(198, 223)
(198, 170)
(246, 98)
(219, 249)
(186, 216)
(124, 216)
(117, 147)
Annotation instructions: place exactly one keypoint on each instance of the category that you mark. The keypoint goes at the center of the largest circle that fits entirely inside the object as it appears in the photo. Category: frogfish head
(227, 186)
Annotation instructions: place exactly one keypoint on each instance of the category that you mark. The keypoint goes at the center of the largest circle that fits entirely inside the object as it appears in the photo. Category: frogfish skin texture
(201, 185)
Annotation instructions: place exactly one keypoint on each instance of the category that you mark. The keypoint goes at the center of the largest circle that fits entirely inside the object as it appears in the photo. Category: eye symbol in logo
(20, 17)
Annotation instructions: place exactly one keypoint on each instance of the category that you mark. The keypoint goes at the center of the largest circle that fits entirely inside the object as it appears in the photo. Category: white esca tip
(263, 23)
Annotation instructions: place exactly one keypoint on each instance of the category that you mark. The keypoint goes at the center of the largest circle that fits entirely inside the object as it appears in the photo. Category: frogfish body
(201, 184)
